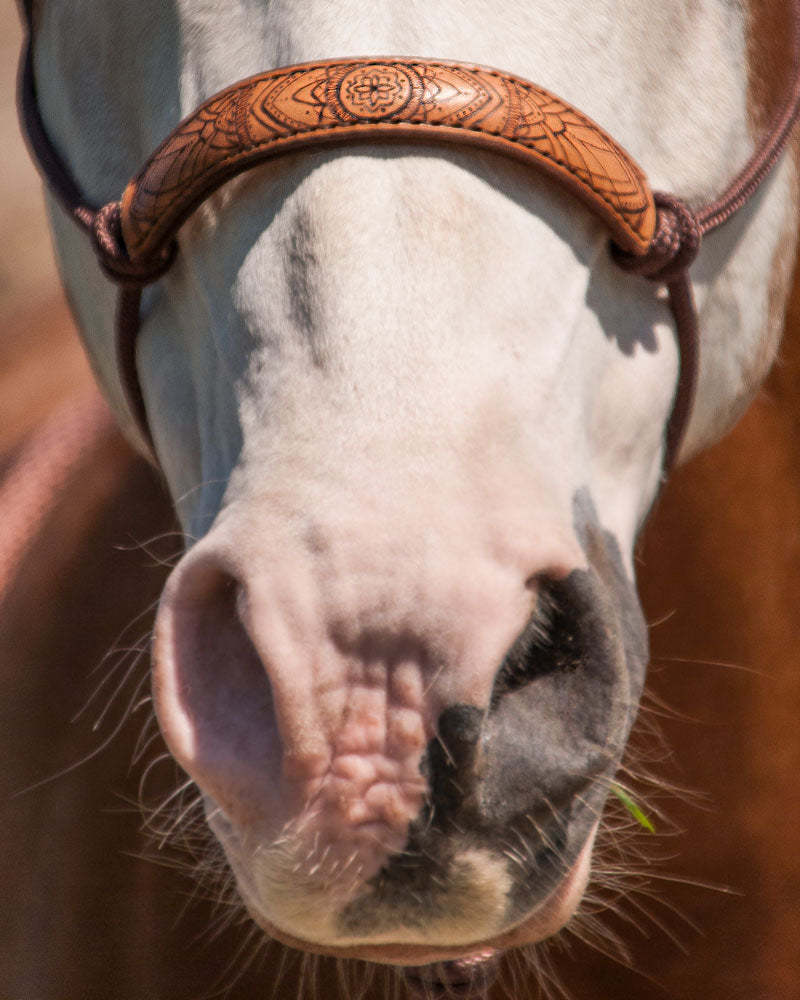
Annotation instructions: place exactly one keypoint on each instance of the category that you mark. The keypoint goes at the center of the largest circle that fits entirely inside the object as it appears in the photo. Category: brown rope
(44, 155)
(769, 150)
(127, 328)
(109, 245)
(681, 301)
(674, 246)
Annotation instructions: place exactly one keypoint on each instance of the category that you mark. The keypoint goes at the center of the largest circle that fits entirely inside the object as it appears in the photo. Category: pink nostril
(212, 693)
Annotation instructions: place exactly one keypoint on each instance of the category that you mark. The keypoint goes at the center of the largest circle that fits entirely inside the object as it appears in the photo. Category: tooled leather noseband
(655, 235)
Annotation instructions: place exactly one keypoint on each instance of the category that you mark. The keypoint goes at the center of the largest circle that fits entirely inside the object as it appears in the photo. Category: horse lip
(548, 918)
(467, 978)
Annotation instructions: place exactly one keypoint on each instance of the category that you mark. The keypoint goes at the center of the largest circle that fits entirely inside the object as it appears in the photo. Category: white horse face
(408, 590)
(412, 418)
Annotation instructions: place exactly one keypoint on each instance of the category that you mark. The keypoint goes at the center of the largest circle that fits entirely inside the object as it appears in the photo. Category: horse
(378, 486)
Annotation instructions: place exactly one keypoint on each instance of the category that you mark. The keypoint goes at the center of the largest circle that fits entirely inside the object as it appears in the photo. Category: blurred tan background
(26, 268)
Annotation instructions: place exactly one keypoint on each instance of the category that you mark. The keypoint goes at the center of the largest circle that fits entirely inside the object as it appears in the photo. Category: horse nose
(422, 763)
(251, 673)
(228, 701)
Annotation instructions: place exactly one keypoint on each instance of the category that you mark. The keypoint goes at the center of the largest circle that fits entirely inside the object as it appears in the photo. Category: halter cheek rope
(654, 235)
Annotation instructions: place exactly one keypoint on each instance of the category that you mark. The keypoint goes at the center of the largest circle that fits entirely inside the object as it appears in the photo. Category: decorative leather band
(379, 98)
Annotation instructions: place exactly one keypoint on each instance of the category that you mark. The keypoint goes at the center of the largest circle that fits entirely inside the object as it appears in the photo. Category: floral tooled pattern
(191, 152)
(559, 131)
(287, 108)
(376, 92)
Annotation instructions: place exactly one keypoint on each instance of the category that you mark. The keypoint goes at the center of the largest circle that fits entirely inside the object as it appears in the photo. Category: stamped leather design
(377, 99)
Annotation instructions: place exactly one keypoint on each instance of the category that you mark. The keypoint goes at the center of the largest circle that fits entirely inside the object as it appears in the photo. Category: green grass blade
(630, 804)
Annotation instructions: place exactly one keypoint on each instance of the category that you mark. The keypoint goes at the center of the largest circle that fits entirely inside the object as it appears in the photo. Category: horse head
(412, 416)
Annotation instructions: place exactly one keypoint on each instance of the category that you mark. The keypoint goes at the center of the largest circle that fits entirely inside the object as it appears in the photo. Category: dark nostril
(561, 636)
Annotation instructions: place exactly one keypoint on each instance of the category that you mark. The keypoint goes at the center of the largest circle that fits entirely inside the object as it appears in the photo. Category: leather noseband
(383, 99)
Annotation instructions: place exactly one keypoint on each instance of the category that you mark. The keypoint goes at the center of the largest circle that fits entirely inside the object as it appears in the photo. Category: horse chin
(442, 964)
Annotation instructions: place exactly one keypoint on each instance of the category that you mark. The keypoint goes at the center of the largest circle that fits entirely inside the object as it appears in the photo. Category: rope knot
(109, 245)
(674, 245)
